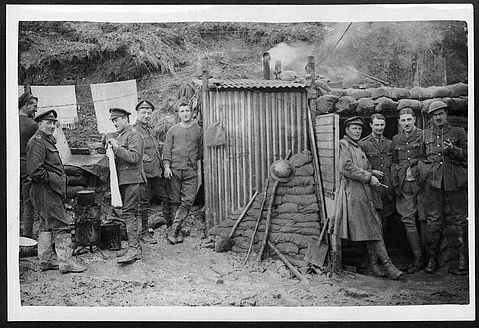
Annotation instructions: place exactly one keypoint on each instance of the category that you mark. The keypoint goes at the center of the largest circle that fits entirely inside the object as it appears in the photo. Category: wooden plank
(327, 160)
(328, 169)
(324, 120)
(324, 129)
(325, 136)
(325, 152)
(329, 184)
(325, 144)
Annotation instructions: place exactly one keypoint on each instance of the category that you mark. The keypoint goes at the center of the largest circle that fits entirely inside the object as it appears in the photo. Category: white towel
(116, 94)
(61, 98)
(114, 186)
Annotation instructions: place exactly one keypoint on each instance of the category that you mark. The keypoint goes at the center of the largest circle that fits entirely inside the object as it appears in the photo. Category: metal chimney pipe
(266, 69)
(277, 68)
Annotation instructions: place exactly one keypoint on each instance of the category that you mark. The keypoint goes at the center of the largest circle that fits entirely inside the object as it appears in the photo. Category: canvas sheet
(61, 98)
(116, 94)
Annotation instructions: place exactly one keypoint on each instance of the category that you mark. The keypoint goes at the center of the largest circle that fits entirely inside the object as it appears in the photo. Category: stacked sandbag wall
(295, 215)
(383, 99)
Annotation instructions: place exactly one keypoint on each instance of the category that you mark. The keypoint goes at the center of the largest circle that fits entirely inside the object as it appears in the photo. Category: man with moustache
(446, 185)
(155, 185)
(48, 190)
(407, 151)
(379, 152)
(27, 107)
(356, 217)
(128, 149)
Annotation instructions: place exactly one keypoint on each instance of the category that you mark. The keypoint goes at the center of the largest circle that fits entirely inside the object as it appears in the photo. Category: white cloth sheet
(116, 94)
(61, 98)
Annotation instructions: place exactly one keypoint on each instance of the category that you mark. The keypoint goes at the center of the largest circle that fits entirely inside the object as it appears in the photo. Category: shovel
(318, 248)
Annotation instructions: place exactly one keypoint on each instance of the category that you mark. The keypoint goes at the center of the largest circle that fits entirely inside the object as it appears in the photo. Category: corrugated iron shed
(260, 84)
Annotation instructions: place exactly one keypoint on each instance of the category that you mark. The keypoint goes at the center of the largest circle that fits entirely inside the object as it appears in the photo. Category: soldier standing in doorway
(379, 152)
(128, 150)
(27, 105)
(48, 190)
(407, 151)
(356, 217)
(444, 170)
(155, 185)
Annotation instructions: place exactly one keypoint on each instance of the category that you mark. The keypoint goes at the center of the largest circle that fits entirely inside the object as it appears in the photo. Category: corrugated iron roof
(254, 84)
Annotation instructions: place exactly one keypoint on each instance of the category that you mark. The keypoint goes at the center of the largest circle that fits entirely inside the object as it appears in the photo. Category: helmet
(282, 170)
(435, 105)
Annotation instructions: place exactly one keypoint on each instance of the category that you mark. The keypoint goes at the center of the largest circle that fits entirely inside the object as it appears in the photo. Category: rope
(334, 47)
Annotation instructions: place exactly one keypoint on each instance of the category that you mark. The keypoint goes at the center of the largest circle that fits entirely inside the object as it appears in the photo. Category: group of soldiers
(421, 174)
(143, 172)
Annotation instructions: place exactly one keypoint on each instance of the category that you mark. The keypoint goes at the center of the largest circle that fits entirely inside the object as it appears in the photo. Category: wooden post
(312, 92)
(266, 69)
(205, 109)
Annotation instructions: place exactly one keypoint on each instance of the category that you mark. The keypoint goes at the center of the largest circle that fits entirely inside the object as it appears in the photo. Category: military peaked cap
(354, 120)
(25, 98)
(118, 112)
(50, 115)
(144, 104)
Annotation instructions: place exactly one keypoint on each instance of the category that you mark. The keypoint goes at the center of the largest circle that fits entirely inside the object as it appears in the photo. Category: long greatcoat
(356, 217)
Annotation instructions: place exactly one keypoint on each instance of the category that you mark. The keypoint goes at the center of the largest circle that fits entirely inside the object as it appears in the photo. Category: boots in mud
(133, 252)
(415, 243)
(173, 233)
(392, 272)
(66, 262)
(146, 237)
(166, 210)
(432, 240)
(461, 268)
(374, 268)
(46, 255)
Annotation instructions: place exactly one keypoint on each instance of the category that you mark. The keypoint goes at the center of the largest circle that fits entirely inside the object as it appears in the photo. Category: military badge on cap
(118, 112)
(144, 104)
(50, 115)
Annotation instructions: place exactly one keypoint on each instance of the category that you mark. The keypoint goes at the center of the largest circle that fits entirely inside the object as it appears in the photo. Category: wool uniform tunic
(379, 153)
(356, 217)
(446, 177)
(48, 189)
(28, 127)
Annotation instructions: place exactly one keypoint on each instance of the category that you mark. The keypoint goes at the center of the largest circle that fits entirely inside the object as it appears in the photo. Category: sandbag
(419, 93)
(439, 92)
(456, 104)
(77, 180)
(409, 103)
(346, 104)
(426, 103)
(325, 104)
(385, 103)
(288, 75)
(458, 89)
(365, 105)
(360, 93)
(399, 93)
(380, 92)
(338, 92)
(323, 85)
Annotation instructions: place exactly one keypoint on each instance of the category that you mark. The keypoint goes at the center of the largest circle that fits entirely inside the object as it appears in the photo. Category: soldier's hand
(448, 144)
(168, 173)
(374, 181)
(146, 158)
(378, 174)
(112, 142)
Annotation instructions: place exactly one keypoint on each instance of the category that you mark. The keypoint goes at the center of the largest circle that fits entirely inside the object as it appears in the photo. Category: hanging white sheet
(61, 98)
(115, 94)
(114, 186)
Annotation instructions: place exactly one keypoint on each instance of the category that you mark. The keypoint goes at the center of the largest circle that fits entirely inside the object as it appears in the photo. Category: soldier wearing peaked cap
(445, 172)
(128, 148)
(356, 217)
(155, 187)
(48, 189)
(27, 107)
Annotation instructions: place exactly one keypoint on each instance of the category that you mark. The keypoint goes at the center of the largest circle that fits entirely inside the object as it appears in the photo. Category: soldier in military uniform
(444, 170)
(27, 105)
(356, 217)
(128, 150)
(407, 151)
(48, 190)
(155, 186)
(379, 152)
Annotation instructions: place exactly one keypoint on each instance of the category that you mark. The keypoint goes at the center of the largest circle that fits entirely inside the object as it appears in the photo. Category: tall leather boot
(27, 226)
(462, 267)
(415, 243)
(392, 272)
(432, 239)
(144, 214)
(172, 232)
(66, 262)
(422, 236)
(373, 261)
(45, 251)
(133, 251)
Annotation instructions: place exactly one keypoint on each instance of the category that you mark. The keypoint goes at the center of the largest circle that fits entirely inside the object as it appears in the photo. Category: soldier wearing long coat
(356, 217)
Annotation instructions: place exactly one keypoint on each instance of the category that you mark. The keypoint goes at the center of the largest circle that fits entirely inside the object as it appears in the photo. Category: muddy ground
(193, 274)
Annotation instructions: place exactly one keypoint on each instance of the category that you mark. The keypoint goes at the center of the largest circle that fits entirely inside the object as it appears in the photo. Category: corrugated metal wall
(261, 126)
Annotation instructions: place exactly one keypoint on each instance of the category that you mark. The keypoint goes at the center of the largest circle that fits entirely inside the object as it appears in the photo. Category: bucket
(110, 236)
